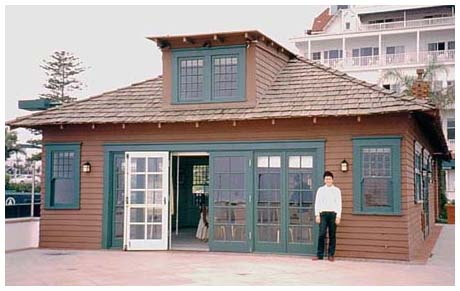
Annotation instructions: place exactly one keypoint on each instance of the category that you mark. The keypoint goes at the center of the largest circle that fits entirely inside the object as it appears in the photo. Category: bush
(23, 187)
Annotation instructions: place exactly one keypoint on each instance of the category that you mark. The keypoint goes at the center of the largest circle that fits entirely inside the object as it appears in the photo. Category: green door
(303, 178)
(269, 232)
(116, 201)
(230, 176)
(285, 184)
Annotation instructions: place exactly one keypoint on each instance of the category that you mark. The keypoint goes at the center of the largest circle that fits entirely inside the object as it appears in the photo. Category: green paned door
(285, 184)
(230, 201)
(116, 200)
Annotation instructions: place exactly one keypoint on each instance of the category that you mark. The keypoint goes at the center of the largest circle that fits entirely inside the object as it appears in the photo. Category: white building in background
(366, 41)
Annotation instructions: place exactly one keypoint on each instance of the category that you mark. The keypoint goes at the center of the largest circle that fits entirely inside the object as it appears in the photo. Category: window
(191, 79)
(208, 75)
(332, 54)
(417, 172)
(347, 25)
(436, 46)
(62, 176)
(450, 128)
(386, 86)
(391, 50)
(316, 55)
(451, 45)
(376, 175)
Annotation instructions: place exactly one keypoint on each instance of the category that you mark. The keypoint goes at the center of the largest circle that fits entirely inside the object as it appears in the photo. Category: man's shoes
(316, 258)
(331, 259)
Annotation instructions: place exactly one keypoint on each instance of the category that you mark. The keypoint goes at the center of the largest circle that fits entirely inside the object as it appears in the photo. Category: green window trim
(208, 55)
(392, 142)
(50, 149)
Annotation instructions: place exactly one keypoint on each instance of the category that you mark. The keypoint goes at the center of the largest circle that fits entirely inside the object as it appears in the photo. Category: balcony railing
(390, 60)
(408, 24)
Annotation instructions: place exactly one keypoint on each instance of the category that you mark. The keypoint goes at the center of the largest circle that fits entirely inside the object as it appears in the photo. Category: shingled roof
(302, 89)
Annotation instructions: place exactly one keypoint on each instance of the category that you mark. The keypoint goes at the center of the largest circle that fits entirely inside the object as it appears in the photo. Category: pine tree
(62, 69)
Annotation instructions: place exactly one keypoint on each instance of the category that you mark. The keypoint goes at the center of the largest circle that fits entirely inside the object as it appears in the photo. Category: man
(328, 210)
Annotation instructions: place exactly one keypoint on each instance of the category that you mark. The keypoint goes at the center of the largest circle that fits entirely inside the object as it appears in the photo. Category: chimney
(420, 88)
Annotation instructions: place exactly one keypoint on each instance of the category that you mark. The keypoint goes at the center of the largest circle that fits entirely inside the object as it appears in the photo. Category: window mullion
(207, 80)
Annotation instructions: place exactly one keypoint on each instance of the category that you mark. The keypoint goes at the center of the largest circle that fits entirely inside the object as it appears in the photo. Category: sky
(111, 40)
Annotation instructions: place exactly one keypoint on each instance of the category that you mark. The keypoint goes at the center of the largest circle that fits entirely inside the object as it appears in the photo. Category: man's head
(328, 178)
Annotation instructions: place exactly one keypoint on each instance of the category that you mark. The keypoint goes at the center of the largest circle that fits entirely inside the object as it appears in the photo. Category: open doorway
(190, 202)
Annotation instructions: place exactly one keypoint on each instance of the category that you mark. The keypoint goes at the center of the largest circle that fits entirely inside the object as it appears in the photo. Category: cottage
(241, 126)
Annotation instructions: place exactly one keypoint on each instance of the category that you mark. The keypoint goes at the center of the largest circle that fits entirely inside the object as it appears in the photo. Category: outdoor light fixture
(86, 168)
(344, 166)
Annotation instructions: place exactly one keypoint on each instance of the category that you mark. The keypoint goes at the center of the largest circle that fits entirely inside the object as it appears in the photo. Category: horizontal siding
(365, 236)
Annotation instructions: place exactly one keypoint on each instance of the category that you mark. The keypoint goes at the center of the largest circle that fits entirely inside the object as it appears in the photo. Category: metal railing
(408, 23)
(424, 57)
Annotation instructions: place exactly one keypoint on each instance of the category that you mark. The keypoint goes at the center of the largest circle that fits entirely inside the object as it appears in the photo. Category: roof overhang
(217, 39)
(431, 125)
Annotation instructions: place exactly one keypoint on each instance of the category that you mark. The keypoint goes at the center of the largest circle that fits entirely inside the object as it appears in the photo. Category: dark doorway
(190, 176)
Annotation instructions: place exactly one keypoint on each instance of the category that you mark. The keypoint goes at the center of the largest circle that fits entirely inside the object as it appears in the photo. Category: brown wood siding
(416, 240)
(268, 64)
(365, 236)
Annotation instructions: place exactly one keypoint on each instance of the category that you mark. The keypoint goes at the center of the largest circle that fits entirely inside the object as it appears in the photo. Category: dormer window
(205, 75)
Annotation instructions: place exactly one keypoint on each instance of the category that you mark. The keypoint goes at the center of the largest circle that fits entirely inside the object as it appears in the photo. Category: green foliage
(441, 98)
(62, 70)
(11, 146)
(24, 187)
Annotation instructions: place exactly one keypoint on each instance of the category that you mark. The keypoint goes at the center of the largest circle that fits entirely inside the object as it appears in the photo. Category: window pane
(376, 192)
(307, 161)
(154, 181)
(138, 165)
(225, 76)
(154, 231)
(294, 162)
(138, 181)
(137, 231)
(154, 164)
(191, 79)
(63, 191)
(262, 162)
(137, 197)
(137, 215)
(154, 215)
(275, 161)
(222, 165)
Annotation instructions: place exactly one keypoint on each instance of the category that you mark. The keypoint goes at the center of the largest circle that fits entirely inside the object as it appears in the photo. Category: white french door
(146, 201)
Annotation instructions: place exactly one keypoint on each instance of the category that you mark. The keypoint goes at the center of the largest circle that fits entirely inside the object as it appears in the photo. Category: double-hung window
(62, 176)
(376, 175)
(207, 75)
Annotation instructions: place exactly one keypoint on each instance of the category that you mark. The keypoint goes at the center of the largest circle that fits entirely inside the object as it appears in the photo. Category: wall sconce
(86, 168)
(344, 166)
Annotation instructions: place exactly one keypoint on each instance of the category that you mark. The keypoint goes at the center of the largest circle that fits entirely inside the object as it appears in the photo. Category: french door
(230, 198)
(284, 202)
(146, 201)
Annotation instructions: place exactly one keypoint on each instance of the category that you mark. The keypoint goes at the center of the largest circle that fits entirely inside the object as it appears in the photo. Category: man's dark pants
(327, 221)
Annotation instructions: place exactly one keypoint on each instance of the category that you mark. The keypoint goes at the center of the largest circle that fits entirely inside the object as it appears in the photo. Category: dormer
(218, 70)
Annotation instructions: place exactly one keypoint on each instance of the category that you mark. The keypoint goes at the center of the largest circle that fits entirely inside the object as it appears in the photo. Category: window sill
(376, 213)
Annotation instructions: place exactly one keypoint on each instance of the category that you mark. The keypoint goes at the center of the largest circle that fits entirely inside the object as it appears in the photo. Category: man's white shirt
(328, 198)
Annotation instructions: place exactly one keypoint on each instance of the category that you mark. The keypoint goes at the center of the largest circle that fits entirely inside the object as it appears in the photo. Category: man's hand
(337, 220)
(318, 220)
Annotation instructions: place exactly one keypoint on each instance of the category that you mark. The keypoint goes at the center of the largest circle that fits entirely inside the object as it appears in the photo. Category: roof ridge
(372, 86)
(65, 105)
